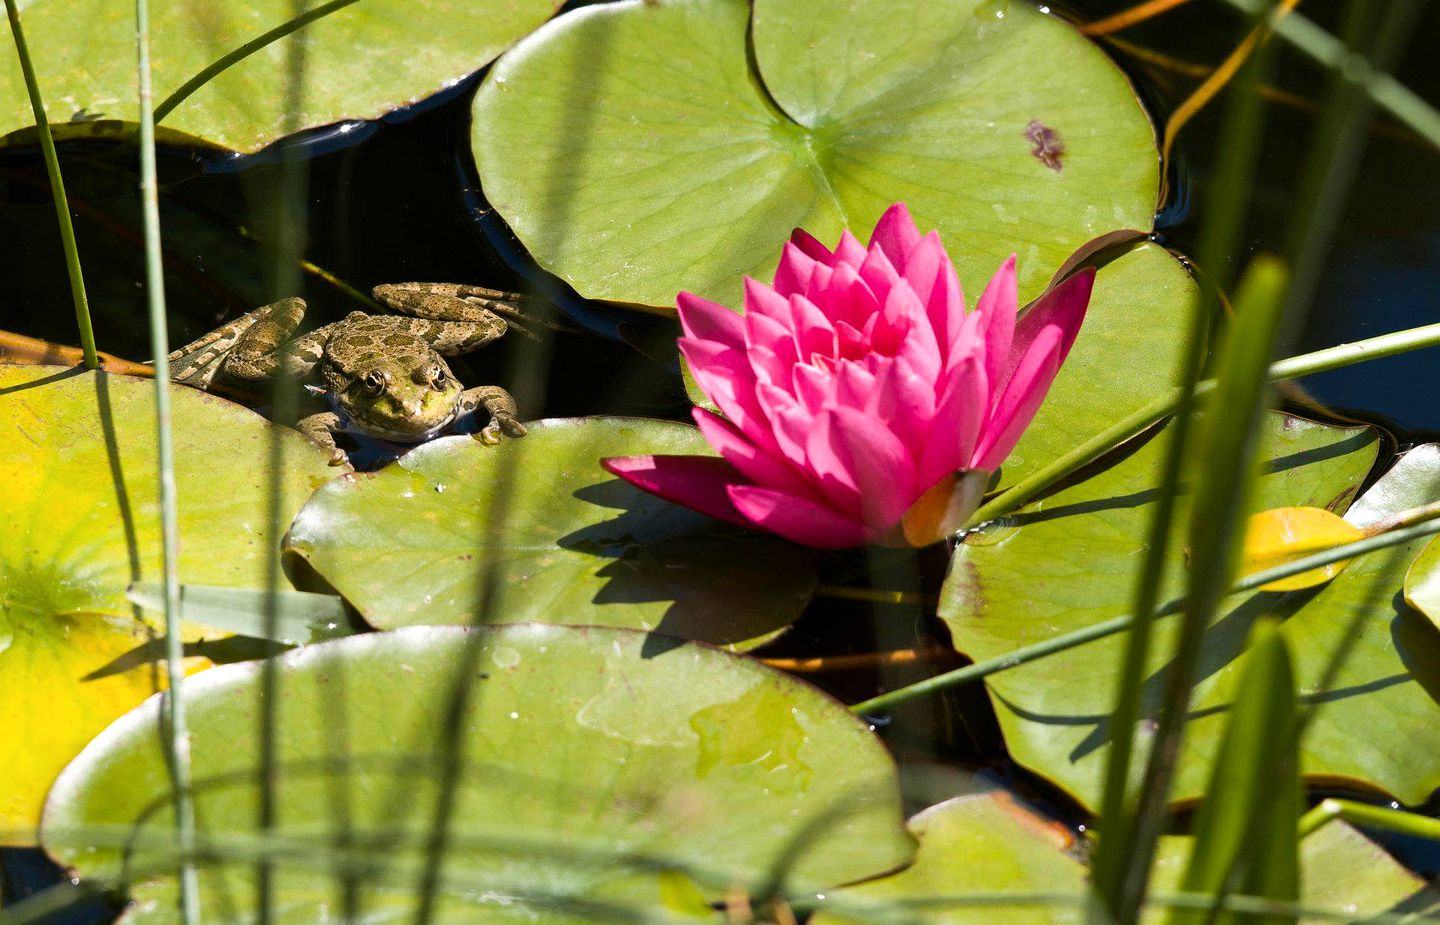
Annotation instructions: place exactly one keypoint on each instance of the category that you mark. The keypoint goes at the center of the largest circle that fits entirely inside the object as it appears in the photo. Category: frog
(383, 375)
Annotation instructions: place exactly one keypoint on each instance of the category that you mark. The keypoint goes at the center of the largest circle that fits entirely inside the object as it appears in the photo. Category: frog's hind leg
(199, 361)
(449, 301)
(260, 350)
(502, 411)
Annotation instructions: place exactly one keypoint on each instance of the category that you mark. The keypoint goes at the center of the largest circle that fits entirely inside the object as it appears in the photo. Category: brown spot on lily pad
(1047, 147)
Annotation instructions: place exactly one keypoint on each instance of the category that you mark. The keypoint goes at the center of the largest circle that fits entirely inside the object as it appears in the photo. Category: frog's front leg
(321, 428)
(502, 411)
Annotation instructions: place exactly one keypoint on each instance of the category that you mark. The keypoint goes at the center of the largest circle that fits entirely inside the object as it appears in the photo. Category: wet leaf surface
(592, 761)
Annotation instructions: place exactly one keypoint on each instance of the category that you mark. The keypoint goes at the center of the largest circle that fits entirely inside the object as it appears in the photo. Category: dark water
(395, 200)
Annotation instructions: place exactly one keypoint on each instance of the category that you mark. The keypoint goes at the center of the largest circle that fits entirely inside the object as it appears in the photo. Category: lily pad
(362, 60)
(1365, 664)
(1422, 583)
(638, 149)
(591, 765)
(78, 478)
(985, 845)
(534, 529)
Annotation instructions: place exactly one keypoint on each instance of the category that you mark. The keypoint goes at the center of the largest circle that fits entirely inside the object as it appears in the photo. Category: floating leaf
(361, 61)
(976, 848)
(81, 501)
(546, 534)
(1284, 534)
(1366, 668)
(982, 844)
(1422, 583)
(593, 761)
(638, 149)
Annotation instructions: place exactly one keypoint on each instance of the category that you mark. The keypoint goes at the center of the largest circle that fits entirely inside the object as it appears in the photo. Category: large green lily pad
(362, 60)
(983, 846)
(81, 523)
(1366, 665)
(591, 764)
(534, 529)
(639, 149)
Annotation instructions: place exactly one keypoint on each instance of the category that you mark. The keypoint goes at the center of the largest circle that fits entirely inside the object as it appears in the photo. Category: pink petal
(793, 274)
(919, 346)
(906, 401)
(706, 320)
(726, 378)
(700, 483)
(798, 519)
(1061, 307)
(960, 412)
(923, 268)
(813, 333)
(881, 466)
(878, 272)
(1021, 399)
(829, 464)
(946, 309)
(996, 309)
(789, 422)
(844, 296)
(763, 331)
(849, 250)
(761, 299)
(755, 464)
(811, 247)
(896, 234)
(813, 388)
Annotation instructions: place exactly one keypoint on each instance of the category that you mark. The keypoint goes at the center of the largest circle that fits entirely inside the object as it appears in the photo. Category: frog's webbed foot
(321, 428)
(502, 411)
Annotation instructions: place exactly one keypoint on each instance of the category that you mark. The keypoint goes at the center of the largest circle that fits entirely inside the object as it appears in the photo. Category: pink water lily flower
(862, 403)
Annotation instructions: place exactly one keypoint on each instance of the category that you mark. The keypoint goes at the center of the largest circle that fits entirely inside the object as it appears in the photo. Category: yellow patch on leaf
(1284, 534)
(64, 678)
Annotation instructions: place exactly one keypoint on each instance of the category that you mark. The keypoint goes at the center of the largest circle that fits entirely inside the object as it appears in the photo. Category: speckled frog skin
(385, 375)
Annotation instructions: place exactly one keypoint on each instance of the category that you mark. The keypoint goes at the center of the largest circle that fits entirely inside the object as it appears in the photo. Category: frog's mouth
(402, 436)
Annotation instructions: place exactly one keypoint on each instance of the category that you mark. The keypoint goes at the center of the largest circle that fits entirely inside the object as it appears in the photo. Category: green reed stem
(178, 740)
(1375, 817)
(1387, 92)
(1307, 364)
(57, 190)
(886, 702)
(237, 55)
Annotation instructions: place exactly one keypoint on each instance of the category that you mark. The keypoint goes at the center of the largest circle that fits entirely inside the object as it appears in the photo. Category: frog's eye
(437, 376)
(374, 383)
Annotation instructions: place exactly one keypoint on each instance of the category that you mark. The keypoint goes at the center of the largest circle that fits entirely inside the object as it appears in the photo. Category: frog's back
(361, 343)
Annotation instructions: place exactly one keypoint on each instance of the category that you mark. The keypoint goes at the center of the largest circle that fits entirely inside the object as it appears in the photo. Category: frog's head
(404, 397)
